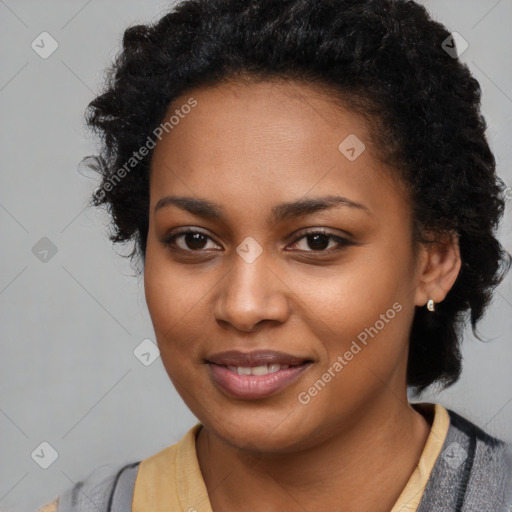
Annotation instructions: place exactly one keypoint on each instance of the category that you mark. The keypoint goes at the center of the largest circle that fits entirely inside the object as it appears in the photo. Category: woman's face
(247, 292)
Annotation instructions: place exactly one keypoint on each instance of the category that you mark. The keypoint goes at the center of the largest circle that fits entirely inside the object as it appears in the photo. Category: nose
(252, 293)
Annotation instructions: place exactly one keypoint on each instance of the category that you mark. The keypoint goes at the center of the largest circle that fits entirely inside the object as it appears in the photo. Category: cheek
(351, 297)
(177, 303)
(174, 309)
(167, 297)
(361, 314)
(166, 289)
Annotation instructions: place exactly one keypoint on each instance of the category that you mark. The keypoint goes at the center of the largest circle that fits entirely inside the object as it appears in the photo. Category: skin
(248, 147)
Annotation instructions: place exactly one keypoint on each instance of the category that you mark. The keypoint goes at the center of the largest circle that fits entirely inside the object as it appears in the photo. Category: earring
(430, 305)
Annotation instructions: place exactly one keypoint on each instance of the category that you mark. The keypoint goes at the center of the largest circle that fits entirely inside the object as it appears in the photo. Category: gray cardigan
(473, 473)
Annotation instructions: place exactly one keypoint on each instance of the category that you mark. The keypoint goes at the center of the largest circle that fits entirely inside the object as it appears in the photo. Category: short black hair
(383, 58)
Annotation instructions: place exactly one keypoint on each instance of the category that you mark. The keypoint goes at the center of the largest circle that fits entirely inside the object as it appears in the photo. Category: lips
(253, 375)
(255, 358)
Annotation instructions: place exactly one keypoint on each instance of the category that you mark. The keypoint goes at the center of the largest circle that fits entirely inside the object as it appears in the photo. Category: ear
(438, 267)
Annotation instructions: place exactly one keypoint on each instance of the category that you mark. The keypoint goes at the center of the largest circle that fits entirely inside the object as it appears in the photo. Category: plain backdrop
(72, 312)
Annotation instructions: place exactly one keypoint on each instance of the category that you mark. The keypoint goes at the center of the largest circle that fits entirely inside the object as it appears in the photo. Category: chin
(276, 432)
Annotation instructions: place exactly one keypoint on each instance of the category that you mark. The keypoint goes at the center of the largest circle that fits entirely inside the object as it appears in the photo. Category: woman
(237, 136)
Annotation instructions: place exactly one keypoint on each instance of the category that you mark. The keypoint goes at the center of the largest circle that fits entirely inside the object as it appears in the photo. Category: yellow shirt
(178, 463)
(172, 480)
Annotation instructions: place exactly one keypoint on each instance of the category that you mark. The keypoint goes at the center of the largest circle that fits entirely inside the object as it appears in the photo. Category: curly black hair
(382, 58)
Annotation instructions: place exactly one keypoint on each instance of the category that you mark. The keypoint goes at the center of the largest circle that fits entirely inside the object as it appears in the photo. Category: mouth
(255, 375)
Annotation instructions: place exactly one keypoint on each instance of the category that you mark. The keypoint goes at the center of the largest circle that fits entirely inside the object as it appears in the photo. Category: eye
(318, 241)
(191, 240)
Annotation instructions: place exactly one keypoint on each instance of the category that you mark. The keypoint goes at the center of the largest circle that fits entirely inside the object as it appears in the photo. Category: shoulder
(96, 492)
(114, 485)
(485, 453)
(473, 472)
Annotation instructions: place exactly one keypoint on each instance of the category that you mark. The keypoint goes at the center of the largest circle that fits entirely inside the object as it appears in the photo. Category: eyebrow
(279, 213)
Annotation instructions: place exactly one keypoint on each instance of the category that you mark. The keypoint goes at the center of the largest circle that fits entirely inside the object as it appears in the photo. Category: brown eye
(318, 241)
(194, 241)
(191, 241)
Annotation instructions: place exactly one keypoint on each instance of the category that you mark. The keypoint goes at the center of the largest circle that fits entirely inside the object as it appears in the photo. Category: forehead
(267, 139)
(276, 104)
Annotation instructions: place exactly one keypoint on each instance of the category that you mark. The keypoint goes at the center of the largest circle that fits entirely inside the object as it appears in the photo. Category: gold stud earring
(430, 305)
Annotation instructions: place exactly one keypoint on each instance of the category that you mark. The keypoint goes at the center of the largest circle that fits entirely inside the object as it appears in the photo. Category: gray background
(70, 325)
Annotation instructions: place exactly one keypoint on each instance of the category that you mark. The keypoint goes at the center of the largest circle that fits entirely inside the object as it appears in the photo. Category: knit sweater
(473, 473)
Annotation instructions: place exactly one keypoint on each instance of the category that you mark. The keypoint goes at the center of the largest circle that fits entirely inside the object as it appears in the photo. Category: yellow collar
(172, 477)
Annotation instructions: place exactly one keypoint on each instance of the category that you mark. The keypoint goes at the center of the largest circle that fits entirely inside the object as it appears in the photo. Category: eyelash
(342, 242)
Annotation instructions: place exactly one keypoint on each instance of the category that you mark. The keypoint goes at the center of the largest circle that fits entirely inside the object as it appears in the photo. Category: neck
(363, 466)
